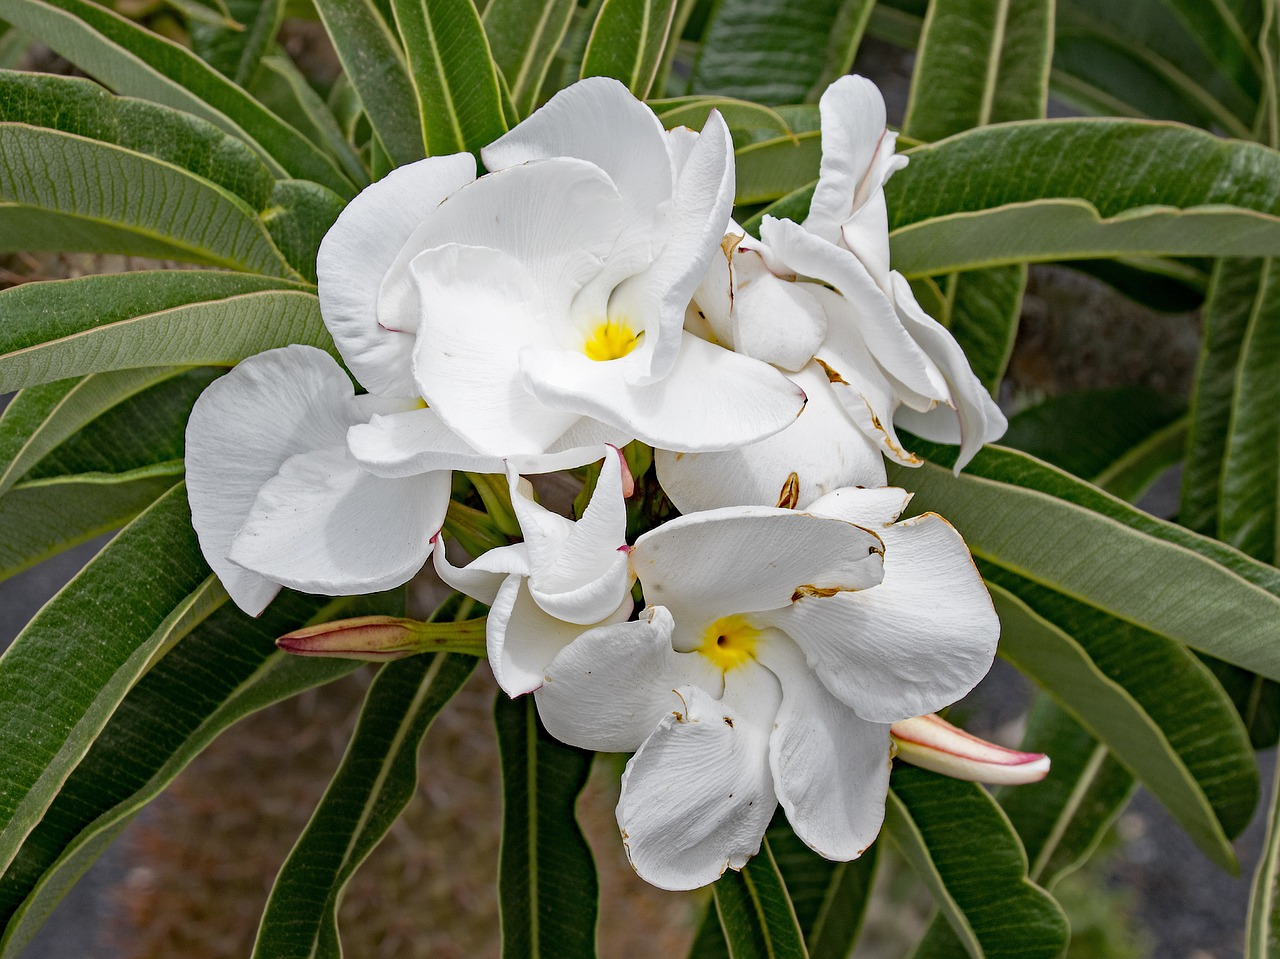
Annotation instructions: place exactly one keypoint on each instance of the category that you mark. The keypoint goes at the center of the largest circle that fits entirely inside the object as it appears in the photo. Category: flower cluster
(590, 290)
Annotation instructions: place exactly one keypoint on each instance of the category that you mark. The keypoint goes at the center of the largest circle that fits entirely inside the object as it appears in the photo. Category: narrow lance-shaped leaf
(453, 74)
(547, 888)
(134, 61)
(1003, 194)
(62, 328)
(237, 51)
(158, 588)
(627, 41)
(224, 670)
(524, 36)
(1262, 927)
(977, 874)
(376, 780)
(755, 911)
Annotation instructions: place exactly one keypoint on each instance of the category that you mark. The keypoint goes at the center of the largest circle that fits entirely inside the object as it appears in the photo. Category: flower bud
(933, 743)
(378, 638)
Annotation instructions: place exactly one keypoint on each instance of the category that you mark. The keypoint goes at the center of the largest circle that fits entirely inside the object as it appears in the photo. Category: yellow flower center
(611, 340)
(729, 642)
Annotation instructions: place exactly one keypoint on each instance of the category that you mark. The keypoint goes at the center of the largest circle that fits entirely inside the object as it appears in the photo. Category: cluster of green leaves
(1154, 645)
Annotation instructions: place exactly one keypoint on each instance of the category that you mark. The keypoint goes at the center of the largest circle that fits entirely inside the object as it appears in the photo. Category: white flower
(540, 308)
(857, 334)
(563, 577)
(777, 649)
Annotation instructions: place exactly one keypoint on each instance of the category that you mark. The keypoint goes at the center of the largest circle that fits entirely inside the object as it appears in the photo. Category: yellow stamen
(729, 642)
(611, 340)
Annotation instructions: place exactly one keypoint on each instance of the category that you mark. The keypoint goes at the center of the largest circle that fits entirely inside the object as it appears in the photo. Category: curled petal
(612, 686)
(830, 768)
(823, 449)
(744, 559)
(776, 320)
(913, 644)
(698, 795)
(870, 508)
(482, 577)
(933, 743)
(358, 251)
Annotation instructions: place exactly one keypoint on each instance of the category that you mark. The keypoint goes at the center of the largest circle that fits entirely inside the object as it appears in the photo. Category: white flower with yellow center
(777, 650)
(540, 308)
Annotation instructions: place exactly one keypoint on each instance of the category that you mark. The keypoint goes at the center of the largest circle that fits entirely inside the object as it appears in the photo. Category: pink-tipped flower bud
(933, 743)
(378, 638)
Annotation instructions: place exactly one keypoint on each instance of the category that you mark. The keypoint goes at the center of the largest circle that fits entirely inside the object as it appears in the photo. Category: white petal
(242, 429)
(611, 687)
(824, 448)
(358, 251)
(830, 768)
(890, 344)
(711, 399)
(483, 306)
(324, 525)
(698, 795)
(744, 559)
(913, 644)
(973, 418)
(869, 508)
(522, 639)
(777, 320)
(597, 120)
(482, 577)
(713, 299)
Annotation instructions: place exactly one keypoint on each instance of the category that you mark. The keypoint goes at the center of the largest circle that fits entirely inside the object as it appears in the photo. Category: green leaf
(1062, 819)
(376, 780)
(1233, 298)
(774, 52)
(237, 51)
(374, 61)
(1163, 285)
(1250, 473)
(756, 912)
(1148, 700)
(300, 214)
(547, 888)
(1262, 927)
(1066, 535)
(136, 62)
(196, 220)
(62, 328)
(524, 36)
(69, 669)
(42, 518)
(453, 73)
(977, 874)
(983, 314)
(1257, 701)
(627, 42)
(1003, 194)
(773, 168)
(40, 418)
(748, 122)
(224, 670)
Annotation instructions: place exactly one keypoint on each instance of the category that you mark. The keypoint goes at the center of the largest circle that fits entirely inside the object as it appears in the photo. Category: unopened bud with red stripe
(933, 743)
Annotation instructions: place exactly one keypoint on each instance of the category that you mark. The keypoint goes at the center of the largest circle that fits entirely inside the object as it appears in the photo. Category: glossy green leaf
(627, 42)
(977, 874)
(195, 219)
(1003, 194)
(453, 72)
(224, 670)
(38, 419)
(62, 328)
(1151, 702)
(299, 216)
(69, 669)
(774, 52)
(547, 888)
(135, 62)
(1256, 698)
(1158, 283)
(237, 51)
(524, 36)
(1066, 535)
(1062, 818)
(45, 517)
(376, 780)
(984, 309)
(773, 168)
(375, 63)
(748, 122)
(755, 911)
(1232, 300)
(1262, 927)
